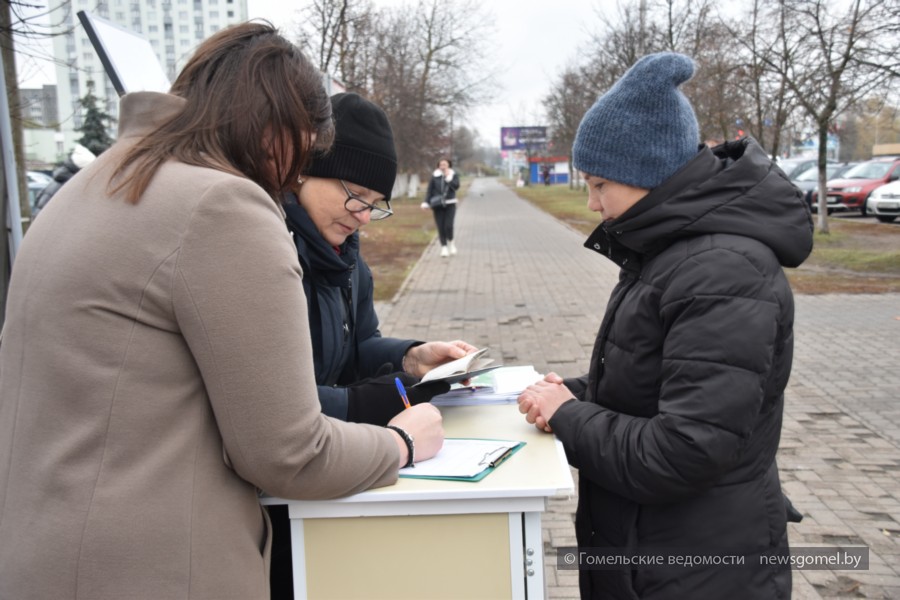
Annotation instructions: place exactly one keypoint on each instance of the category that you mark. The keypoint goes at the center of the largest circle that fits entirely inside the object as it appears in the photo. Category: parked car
(853, 187)
(36, 181)
(884, 202)
(792, 167)
(808, 183)
(38, 177)
(34, 188)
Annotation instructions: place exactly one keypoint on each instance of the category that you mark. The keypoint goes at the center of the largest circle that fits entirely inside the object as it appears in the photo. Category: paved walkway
(523, 285)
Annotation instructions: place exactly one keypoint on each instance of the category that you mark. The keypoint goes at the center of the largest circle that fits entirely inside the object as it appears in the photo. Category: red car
(854, 186)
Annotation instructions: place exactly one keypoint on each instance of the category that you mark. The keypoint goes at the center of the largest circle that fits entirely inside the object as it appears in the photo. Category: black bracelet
(410, 445)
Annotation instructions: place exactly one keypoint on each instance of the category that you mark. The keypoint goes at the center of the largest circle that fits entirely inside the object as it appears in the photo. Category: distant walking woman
(441, 198)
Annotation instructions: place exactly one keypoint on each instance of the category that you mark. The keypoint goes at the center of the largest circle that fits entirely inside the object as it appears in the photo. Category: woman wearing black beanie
(341, 191)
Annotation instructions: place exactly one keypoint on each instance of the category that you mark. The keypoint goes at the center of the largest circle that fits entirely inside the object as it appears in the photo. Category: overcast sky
(535, 40)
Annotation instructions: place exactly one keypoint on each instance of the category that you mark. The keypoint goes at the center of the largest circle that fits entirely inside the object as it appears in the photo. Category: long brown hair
(244, 85)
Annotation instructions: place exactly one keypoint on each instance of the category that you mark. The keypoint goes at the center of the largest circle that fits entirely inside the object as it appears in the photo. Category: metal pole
(13, 214)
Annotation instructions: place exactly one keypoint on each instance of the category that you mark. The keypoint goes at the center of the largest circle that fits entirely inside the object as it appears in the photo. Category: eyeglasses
(355, 204)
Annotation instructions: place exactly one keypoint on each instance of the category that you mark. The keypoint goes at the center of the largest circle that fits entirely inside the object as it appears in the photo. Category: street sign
(522, 138)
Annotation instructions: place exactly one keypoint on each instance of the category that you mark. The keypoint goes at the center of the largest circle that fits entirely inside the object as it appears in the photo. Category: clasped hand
(539, 401)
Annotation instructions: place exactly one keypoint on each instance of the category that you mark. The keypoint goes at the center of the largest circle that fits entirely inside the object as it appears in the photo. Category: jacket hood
(735, 190)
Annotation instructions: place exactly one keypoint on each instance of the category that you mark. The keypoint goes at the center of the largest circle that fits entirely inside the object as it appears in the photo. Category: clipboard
(464, 459)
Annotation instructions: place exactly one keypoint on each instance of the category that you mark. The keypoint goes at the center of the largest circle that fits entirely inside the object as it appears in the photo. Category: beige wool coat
(155, 370)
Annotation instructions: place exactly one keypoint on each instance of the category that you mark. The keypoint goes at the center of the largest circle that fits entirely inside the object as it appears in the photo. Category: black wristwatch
(410, 445)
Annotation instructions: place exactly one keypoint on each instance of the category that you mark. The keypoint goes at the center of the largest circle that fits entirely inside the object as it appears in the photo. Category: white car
(38, 177)
(884, 202)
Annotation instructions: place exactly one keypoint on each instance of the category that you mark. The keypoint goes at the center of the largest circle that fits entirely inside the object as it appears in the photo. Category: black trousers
(281, 575)
(443, 218)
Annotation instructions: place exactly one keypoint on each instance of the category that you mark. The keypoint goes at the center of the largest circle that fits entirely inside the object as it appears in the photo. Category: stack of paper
(500, 386)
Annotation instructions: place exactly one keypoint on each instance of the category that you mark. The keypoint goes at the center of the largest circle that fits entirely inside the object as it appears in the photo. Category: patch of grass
(824, 282)
(860, 258)
(863, 247)
(567, 205)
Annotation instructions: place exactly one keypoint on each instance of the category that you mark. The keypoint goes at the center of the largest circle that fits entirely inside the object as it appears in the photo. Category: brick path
(523, 285)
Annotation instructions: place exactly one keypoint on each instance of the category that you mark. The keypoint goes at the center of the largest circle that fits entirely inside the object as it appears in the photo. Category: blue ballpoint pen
(402, 391)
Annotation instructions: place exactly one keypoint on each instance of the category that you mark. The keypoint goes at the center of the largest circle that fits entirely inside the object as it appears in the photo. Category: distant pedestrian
(441, 198)
(78, 158)
(545, 174)
(675, 428)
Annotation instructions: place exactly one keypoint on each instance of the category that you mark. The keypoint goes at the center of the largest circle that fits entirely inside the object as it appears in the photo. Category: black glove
(377, 401)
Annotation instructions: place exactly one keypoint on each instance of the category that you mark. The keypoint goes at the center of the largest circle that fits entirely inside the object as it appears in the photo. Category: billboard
(522, 138)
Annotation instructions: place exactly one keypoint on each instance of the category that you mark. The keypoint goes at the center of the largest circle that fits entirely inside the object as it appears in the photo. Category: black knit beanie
(363, 152)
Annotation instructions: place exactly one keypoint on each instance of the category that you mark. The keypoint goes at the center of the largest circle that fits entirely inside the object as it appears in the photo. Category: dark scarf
(319, 260)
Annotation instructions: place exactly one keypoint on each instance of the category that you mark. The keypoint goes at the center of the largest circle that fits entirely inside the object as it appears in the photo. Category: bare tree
(463, 147)
(768, 106)
(831, 59)
(30, 23)
(419, 131)
(455, 75)
(338, 37)
(618, 44)
(425, 64)
(875, 121)
(568, 100)
(756, 70)
(718, 89)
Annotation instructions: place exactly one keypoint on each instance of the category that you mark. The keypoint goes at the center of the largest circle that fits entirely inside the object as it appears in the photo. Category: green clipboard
(482, 453)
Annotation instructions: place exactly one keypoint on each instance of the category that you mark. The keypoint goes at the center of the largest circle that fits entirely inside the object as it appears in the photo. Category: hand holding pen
(424, 424)
(377, 400)
(402, 391)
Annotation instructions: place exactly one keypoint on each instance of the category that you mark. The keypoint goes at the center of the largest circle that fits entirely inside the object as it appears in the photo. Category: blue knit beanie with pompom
(643, 129)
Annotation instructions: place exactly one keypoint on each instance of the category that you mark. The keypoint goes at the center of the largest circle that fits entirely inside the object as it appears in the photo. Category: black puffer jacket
(680, 416)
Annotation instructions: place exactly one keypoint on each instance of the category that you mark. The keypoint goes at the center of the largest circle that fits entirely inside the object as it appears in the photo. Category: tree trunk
(823, 161)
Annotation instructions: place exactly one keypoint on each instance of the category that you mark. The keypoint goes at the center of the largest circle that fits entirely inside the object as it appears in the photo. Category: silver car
(884, 202)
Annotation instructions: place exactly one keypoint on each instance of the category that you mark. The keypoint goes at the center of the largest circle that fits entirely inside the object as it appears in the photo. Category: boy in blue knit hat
(675, 427)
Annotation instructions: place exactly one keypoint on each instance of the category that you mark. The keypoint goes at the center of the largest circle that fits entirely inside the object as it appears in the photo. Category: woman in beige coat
(156, 368)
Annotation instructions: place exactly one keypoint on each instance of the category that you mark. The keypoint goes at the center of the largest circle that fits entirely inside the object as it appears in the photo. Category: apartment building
(173, 28)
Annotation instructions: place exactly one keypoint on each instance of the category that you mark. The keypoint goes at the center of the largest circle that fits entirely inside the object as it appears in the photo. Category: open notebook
(466, 367)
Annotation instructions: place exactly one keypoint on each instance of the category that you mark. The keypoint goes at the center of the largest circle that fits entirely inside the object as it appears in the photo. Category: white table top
(539, 469)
